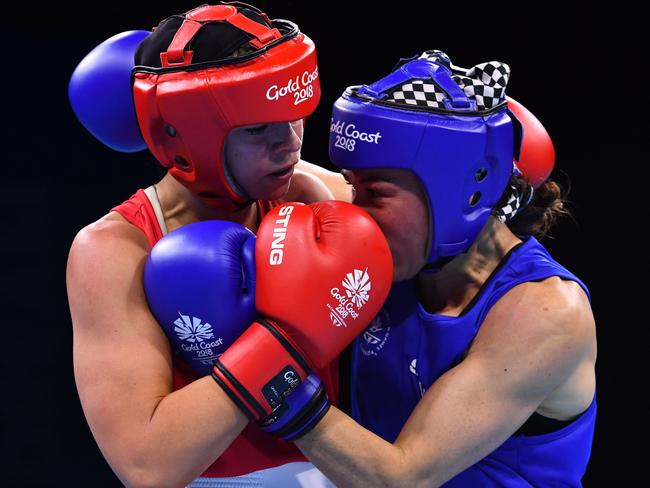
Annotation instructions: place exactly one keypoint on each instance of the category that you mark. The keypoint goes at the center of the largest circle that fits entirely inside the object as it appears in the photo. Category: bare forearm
(351, 456)
(188, 430)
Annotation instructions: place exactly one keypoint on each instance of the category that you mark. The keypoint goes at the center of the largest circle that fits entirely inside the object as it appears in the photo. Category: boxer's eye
(258, 129)
(379, 190)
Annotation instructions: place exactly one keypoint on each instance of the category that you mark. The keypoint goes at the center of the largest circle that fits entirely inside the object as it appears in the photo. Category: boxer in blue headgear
(419, 118)
(480, 373)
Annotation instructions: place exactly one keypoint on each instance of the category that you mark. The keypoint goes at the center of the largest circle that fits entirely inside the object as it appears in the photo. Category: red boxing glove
(323, 273)
(536, 155)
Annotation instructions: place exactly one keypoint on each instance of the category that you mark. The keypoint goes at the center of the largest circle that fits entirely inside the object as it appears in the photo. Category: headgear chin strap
(447, 125)
(186, 109)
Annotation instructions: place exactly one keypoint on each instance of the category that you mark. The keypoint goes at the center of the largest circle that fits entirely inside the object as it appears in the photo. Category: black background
(581, 71)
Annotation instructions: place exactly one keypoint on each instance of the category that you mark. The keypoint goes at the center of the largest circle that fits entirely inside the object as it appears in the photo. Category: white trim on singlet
(290, 475)
(152, 195)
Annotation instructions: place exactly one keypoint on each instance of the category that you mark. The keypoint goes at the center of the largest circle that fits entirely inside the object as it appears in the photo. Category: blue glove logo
(197, 333)
(191, 329)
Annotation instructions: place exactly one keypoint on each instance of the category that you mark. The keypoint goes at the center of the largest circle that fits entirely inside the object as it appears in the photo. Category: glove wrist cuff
(260, 370)
(301, 411)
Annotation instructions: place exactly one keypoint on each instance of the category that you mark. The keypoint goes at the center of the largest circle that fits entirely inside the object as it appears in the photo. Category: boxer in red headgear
(190, 93)
(220, 94)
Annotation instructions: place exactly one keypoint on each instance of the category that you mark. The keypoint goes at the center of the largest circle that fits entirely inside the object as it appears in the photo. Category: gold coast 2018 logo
(347, 135)
(300, 88)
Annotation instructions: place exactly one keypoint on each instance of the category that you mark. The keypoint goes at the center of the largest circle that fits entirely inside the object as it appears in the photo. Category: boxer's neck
(181, 207)
(450, 290)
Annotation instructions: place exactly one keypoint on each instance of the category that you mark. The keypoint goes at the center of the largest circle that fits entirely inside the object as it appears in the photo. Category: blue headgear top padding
(461, 151)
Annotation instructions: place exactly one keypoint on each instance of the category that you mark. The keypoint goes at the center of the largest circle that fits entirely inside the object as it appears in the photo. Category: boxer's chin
(403, 271)
(400, 271)
(272, 190)
(399, 274)
(277, 184)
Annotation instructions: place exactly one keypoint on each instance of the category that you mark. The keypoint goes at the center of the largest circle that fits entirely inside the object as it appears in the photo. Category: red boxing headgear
(186, 110)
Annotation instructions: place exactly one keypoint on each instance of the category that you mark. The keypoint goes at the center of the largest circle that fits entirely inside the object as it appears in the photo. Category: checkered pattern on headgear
(517, 201)
(485, 83)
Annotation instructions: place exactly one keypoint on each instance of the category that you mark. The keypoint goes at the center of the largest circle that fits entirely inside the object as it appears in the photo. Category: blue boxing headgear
(448, 125)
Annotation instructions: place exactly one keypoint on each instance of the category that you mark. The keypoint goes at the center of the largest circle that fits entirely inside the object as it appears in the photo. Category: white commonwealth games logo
(192, 330)
(357, 285)
(356, 293)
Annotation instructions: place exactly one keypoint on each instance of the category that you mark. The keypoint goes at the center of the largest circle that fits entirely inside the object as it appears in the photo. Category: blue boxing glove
(199, 281)
(200, 284)
(101, 95)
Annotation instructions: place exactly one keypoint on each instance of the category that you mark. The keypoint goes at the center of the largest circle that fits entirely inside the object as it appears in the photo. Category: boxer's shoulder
(558, 306)
(330, 180)
(108, 242)
(305, 187)
(104, 277)
(112, 227)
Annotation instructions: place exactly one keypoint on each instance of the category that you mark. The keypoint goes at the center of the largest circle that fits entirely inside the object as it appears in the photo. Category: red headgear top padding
(186, 110)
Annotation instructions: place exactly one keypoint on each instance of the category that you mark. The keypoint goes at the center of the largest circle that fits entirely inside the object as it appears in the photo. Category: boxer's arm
(533, 339)
(341, 189)
(149, 435)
